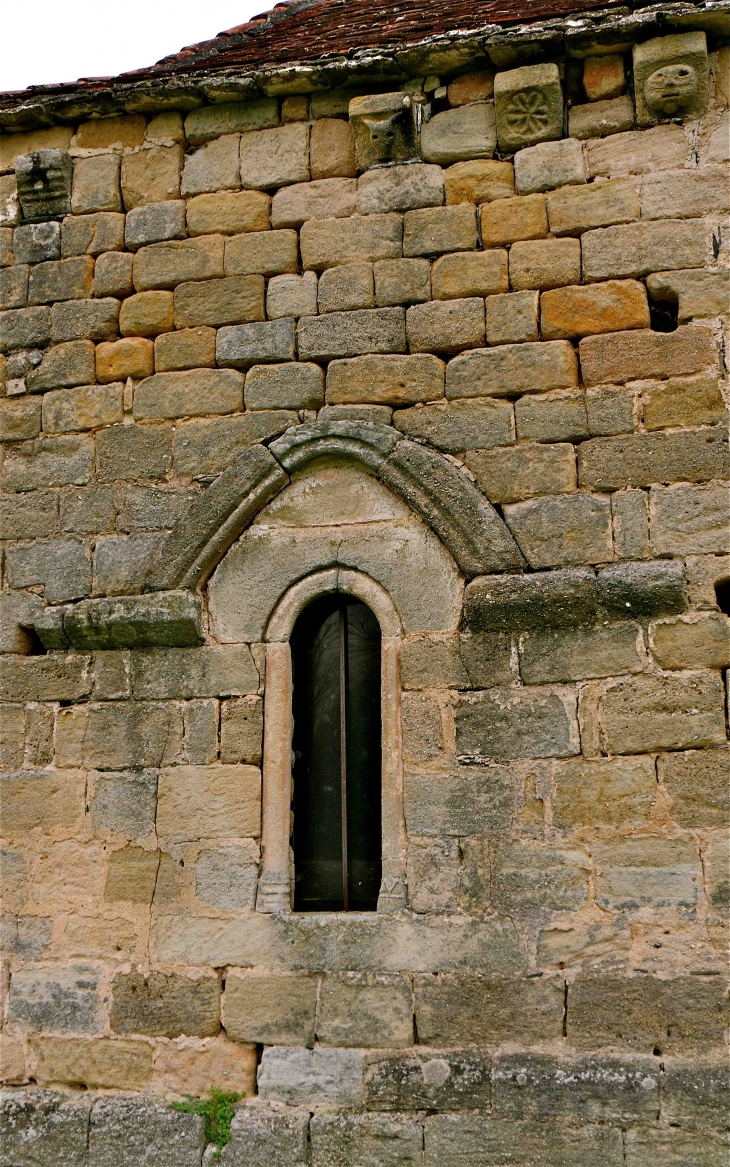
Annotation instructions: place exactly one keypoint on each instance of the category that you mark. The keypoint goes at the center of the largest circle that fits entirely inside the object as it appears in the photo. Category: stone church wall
(522, 274)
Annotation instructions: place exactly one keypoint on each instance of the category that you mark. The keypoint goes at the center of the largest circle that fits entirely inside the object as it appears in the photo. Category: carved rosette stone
(529, 103)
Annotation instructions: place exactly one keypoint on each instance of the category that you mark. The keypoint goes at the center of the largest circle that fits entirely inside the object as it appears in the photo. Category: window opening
(336, 646)
(722, 593)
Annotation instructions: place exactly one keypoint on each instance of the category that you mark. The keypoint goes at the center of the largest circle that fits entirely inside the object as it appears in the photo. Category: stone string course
(491, 288)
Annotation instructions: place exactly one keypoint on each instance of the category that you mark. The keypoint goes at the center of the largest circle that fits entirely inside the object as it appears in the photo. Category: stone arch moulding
(465, 521)
(275, 881)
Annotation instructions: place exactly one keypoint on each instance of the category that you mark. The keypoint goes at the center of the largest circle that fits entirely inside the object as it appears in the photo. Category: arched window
(336, 673)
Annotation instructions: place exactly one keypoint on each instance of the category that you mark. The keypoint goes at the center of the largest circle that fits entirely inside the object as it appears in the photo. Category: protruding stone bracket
(465, 521)
(163, 620)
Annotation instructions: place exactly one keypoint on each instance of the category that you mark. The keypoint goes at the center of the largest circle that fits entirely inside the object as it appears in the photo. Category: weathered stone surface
(326, 198)
(92, 234)
(14, 287)
(516, 723)
(665, 713)
(37, 242)
(234, 300)
(330, 242)
(209, 801)
(647, 872)
(513, 369)
(31, 516)
(397, 380)
(268, 253)
(230, 117)
(19, 420)
(606, 307)
(610, 410)
(168, 619)
(96, 184)
(695, 1094)
(137, 451)
(697, 293)
(44, 799)
(670, 77)
(51, 1128)
(448, 326)
(562, 529)
(600, 118)
(365, 1010)
(260, 1135)
(473, 800)
(555, 599)
(675, 1147)
(432, 1080)
(24, 328)
(214, 670)
(120, 1065)
(154, 223)
(346, 287)
(548, 263)
(549, 165)
(469, 274)
(294, 385)
(311, 1077)
(642, 589)
(213, 167)
(117, 734)
(125, 802)
(275, 1010)
(589, 1087)
(467, 1140)
(43, 180)
(48, 462)
(467, 1010)
(85, 320)
(643, 459)
(57, 998)
(457, 134)
(227, 213)
(101, 133)
(226, 877)
(604, 76)
(292, 295)
(117, 360)
(478, 182)
(697, 783)
(277, 157)
(62, 279)
(196, 392)
(165, 1005)
(113, 274)
(126, 1129)
(245, 345)
(164, 265)
(384, 128)
(630, 356)
(512, 318)
(366, 1139)
(399, 188)
(347, 334)
(691, 643)
(559, 416)
(331, 149)
(581, 654)
(437, 229)
(460, 426)
(151, 176)
(526, 878)
(132, 876)
(61, 565)
(573, 210)
(63, 366)
(84, 408)
(637, 249)
(620, 792)
(637, 152)
(689, 519)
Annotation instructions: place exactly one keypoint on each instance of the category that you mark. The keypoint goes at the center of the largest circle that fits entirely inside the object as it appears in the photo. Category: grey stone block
(526, 879)
(459, 425)
(61, 565)
(22, 328)
(366, 1140)
(125, 803)
(429, 1080)
(226, 878)
(473, 800)
(85, 320)
(244, 345)
(295, 385)
(643, 459)
(466, 132)
(581, 653)
(555, 599)
(29, 516)
(675, 1147)
(213, 670)
(365, 1010)
(209, 446)
(311, 1077)
(400, 188)
(165, 1005)
(42, 1129)
(562, 529)
(696, 1095)
(654, 588)
(349, 334)
(549, 165)
(516, 723)
(54, 677)
(61, 461)
(483, 1141)
(63, 367)
(57, 998)
(589, 1088)
(453, 1009)
(167, 619)
(134, 451)
(121, 563)
(155, 222)
(37, 242)
(261, 1137)
(124, 1131)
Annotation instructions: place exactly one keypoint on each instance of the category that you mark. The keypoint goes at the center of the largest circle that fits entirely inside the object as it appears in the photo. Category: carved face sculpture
(671, 88)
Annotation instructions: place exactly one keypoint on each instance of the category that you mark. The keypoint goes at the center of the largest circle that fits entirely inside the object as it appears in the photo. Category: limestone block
(589, 1087)
(549, 165)
(448, 326)
(147, 314)
(512, 318)
(268, 253)
(674, 1145)
(12, 1069)
(685, 194)
(630, 524)
(19, 420)
(395, 380)
(232, 300)
(573, 210)
(117, 360)
(698, 293)
(14, 286)
(125, 802)
(701, 642)
(163, 265)
(604, 77)
(241, 730)
(61, 565)
(689, 520)
(365, 1010)
(469, 87)
(671, 77)
(324, 198)
(207, 447)
(464, 425)
(467, 274)
(190, 348)
(667, 712)
(151, 175)
(562, 529)
(647, 871)
(7, 259)
(402, 281)
(467, 132)
(274, 1010)
(195, 1066)
(165, 1005)
(291, 295)
(278, 157)
(512, 369)
(197, 392)
(637, 249)
(460, 1139)
(601, 118)
(63, 279)
(124, 1130)
(642, 459)
(697, 783)
(637, 152)
(50, 462)
(117, 734)
(429, 1080)
(347, 334)
(384, 127)
(511, 475)
(113, 274)
(453, 1010)
(51, 138)
(581, 654)
(294, 385)
(61, 1124)
(260, 1135)
(36, 243)
(213, 167)
(526, 878)
(43, 179)
(230, 117)
(505, 724)
(104, 133)
(92, 234)
(22, 328)
(509, 219)
(548, 263)
(228, 213)
(618, 792)
(330, 242)
(607, 307)
(426, 661)
(57, 998)
(209, 671)
(433, 230)
(332, 149)
(400, 188)
(84, 320)
(84, 408)
(120, 563)
(29, 516)
(478, 182)
(96, 184)
(51, 801)
(154, 223)
(9, 205)
(656, 588)
(366, 1138)
(631, 356)
(101, 1062)
(529, 103)
(215, 802)
(432, 874)
(311, 1077)
(347, 287)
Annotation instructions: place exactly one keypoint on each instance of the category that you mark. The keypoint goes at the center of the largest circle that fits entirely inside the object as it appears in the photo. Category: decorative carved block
(671, 77)
(529, 105)
(44, 184)
(385, 128)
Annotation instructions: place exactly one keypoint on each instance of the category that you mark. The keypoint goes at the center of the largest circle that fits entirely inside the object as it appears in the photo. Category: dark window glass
(336, 666)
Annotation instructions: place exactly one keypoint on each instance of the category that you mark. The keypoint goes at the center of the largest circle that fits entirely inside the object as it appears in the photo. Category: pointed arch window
(336, 674)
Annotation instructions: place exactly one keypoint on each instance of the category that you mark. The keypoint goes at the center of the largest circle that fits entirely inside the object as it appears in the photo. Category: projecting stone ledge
(159, 620)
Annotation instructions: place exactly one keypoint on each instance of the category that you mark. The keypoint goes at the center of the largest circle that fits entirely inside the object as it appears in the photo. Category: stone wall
(497, 309)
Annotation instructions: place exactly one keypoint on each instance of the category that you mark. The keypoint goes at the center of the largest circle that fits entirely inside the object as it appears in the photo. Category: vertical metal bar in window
(343, 752)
